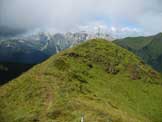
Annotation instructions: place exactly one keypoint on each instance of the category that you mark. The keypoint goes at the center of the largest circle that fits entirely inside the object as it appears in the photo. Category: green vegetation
(148, 48)
(98, 78)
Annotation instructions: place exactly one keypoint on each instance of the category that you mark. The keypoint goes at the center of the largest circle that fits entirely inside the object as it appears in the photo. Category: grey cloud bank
(69, 15)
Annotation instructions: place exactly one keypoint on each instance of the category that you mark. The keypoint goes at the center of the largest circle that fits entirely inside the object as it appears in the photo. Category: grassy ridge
(97, 78)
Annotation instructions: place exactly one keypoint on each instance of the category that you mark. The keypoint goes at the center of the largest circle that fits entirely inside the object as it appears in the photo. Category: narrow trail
(48, 99)
(48, 96)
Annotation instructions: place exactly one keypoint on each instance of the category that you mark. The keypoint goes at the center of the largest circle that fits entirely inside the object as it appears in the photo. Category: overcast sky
(123, 17)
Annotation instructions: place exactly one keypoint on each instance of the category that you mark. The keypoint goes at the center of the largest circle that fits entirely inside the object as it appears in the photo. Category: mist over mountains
(69, 15)
(8, 32)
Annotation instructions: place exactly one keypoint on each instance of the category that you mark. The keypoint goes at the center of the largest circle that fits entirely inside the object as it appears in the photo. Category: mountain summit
(97, 78)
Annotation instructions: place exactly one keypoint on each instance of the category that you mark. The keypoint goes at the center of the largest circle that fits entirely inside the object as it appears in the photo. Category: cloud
(70, 15)
(94, 27)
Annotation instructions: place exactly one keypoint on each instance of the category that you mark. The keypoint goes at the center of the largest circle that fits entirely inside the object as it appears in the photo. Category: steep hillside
(148, 48)
(9, 71)
(99, 79)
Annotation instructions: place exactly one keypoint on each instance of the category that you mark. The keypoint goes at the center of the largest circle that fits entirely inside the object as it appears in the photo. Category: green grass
(98, 78)
(148, 48)
(135, 43)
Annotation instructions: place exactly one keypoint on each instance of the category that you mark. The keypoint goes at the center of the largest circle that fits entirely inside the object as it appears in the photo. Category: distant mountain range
(148, 48)
(38, 47)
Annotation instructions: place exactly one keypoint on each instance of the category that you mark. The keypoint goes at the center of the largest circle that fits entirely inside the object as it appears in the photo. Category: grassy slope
(135, 43)
(97, 78)
(148, 48)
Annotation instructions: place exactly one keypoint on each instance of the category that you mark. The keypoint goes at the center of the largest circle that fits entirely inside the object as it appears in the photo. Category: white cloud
(116, 32)
(124, 31)
(67, 15)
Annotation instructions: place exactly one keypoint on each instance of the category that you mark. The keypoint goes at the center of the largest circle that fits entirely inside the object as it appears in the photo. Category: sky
(118, 17)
